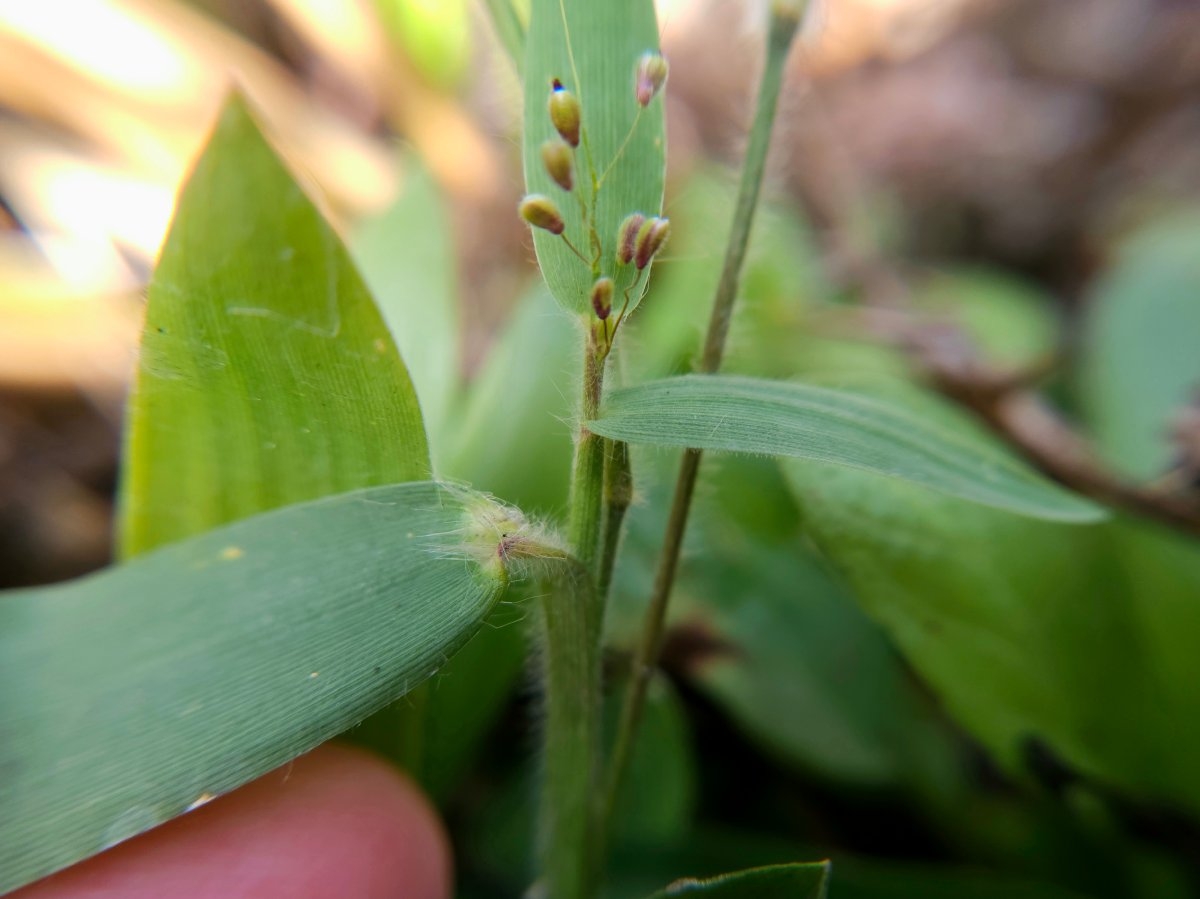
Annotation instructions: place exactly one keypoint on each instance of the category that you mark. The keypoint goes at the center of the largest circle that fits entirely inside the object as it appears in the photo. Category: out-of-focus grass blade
(656, 805)
(780, 276)
(751, 415)
(511, 439)
(267, 376)
(593, 49)
(510, 30)
(130, 696)
(797, 881)
(407, 259)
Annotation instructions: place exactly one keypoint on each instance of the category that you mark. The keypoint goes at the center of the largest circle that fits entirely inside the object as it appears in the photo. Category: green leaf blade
(593, 49)
(794, 881)
(406, 255)
(266, 376)
(134, 694)
(748, 415)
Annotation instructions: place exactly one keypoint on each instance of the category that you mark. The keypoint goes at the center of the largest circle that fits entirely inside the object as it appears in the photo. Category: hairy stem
(571, 737)
(781, 32)
(618, 494)
(573, 614)
(587, 479)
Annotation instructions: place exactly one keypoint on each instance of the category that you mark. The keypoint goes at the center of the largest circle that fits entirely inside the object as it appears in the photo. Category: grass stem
(573, 615)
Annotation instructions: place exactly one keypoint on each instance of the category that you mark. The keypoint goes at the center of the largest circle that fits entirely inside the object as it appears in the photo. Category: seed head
(556, 157)
(650, 238)
(564, 113)
(540, 211)
(627, 237)
(602, 294)
(651, 76)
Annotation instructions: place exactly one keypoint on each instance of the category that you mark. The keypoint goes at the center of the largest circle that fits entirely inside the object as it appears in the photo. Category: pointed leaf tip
(790, 881)
(260, 352)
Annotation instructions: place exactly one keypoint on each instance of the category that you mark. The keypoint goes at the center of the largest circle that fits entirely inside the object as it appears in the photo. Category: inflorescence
(639, 237)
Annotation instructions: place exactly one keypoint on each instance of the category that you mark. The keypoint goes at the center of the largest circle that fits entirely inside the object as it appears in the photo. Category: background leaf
(512, 438)
(851, 877)
(653, 814)
(781, 270)
(1141, 367)
(748, 415)
(1141, 363)
(470, 694)
(593, 49)
(657, 800)
(803, 675)
(1010, 322)
(798, 881)
(407, 258)
(266, 374)
(132, 695)
(435, 38)
(761, 627)
(1033, 634)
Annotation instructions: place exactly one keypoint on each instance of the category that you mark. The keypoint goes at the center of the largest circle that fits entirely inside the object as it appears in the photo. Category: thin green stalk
(781, 32)
(573, 614)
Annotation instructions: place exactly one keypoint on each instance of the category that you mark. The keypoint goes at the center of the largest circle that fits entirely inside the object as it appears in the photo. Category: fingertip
(338, 821)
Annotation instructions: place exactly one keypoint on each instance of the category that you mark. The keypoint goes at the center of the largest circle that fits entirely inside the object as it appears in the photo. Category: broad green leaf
(406, 255)
(1140, 367)
(593, 49)
(1141, 362)
(795, 881)
(133, 695)
(435, 733)
(748, 415)
(512, 438)
(266, 375)
(1162, 568)
(1028, 631)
